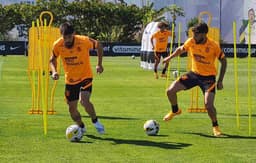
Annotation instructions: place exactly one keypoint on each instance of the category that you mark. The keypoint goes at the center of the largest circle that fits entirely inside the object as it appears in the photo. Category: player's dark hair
(200, 28)
(162, 25)
(66, 29)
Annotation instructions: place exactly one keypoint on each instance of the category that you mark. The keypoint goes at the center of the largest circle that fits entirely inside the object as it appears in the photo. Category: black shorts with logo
(72, 91)
(191, 79)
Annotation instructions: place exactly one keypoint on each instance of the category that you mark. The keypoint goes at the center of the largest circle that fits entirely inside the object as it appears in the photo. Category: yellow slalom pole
(45, 74)
(36, 65)
(179, 38)
(169, 66)
(41, 74)
(31, 71)
(249, 82)
(236, 77)
(46, 62)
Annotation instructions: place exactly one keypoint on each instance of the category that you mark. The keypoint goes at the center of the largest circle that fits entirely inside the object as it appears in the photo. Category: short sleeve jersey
(76, 60)
(203, 56)
(161, 40)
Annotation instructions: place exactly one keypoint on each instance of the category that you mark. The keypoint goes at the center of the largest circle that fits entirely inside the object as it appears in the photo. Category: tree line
(106, 22)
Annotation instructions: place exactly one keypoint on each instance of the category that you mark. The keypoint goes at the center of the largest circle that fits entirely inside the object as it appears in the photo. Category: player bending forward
(203, 52)
(74, 52)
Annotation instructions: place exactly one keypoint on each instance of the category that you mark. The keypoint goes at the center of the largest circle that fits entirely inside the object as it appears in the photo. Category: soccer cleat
(170, 115)
(99, 127)
(156, 75)
(163, 75)
(216, 131)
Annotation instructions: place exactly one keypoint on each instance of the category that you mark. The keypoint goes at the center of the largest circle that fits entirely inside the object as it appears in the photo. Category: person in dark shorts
(203, 52)
(159, 41)
(74, 52)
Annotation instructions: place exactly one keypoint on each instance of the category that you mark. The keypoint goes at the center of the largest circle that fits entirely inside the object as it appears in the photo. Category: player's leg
(211, 110)
(165, 54)
(72, 96)
(172, 91)
(209, 98)
(86, 103)
(157, 61)
(74, 113)
(164, 70)
(207, 85)
(89, 108)
(186, 81)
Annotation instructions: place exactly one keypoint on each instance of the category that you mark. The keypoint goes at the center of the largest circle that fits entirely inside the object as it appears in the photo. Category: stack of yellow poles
(41, 39)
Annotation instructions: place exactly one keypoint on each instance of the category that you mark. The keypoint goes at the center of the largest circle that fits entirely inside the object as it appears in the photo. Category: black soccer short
(191, 79)
(159, 54)
(72, 91)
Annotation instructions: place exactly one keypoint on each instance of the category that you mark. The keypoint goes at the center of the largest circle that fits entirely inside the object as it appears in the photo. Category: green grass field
(125, 96)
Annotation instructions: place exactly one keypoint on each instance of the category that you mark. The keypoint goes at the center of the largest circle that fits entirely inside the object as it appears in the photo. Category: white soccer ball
(74, 133)
(133, 56)
(151, 127)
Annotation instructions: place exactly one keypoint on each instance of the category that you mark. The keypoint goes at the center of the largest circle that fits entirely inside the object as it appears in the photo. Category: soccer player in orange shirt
(203, 52)
(159, 41)
(74, 52)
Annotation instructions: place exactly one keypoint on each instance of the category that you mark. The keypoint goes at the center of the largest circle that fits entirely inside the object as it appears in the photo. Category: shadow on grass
(165, 145)
(113, 118)
(225, 136)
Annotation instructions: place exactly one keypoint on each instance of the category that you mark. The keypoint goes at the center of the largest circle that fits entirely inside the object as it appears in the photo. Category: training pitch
(125, 96)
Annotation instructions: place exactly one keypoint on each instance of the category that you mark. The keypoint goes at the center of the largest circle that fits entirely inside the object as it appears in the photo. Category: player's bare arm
(180, 50)
(99, 49)
(53, 66)
(223, 67)
(152, 43)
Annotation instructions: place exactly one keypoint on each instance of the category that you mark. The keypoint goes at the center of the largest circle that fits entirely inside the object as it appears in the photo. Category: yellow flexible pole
(41, 74)
(249, 82)
(169, 66)
(179, 38)
(236, 78)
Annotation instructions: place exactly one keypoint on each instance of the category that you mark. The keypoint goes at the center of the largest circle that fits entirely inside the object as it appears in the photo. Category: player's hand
(99, 69)
(55, 76)
(219, 85)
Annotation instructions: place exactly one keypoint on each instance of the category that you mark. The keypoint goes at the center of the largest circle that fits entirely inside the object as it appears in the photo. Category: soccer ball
(151, 127)
(74, 133)
(133, 56)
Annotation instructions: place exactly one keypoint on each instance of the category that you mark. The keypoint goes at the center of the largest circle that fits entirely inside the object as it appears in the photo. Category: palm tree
(157, 15)
(151, 15)
(175, 11)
